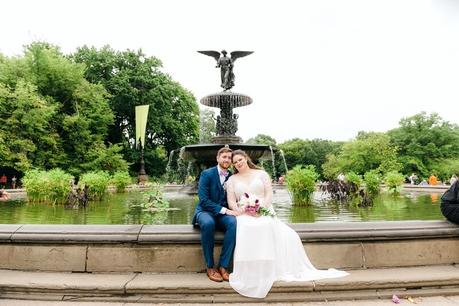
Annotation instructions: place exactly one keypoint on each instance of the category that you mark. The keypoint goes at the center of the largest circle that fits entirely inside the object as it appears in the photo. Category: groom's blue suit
(212, 197)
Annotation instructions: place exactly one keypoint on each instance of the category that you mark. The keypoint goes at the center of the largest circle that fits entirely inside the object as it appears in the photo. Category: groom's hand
(232, 212)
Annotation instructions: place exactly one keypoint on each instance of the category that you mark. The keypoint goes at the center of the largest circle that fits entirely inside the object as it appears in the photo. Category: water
(115, 209)
(283, 160)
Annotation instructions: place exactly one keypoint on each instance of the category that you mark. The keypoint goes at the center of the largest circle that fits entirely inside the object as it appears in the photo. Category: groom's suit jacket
(212, 195)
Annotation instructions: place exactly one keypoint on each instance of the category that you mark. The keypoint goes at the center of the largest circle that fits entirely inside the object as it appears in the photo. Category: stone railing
(176, 248)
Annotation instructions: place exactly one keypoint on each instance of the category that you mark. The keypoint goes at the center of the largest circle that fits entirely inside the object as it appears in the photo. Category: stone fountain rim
(167, 234)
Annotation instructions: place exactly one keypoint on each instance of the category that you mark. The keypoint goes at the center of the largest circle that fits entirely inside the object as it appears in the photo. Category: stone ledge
(172, 234)
(50, 233)
(195, 287)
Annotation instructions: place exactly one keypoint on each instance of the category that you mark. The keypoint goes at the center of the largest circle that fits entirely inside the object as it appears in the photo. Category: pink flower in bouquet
(253, 206)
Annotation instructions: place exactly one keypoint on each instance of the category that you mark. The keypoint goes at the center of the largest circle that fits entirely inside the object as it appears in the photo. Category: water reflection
(115, 209)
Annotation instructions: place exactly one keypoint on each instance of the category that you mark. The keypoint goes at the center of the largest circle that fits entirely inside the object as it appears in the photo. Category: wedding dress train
(267, 250)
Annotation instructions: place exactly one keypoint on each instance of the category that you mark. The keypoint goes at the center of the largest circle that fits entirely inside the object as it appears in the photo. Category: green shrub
(355, 179)
(121, 179)
(394, 181)
(47, 186)
(372, 182)
(301, 182)
(97, 182)
(445, 168)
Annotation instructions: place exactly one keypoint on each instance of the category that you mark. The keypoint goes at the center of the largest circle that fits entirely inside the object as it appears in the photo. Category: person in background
(3, 180)
(433, 180)
(423, 183)
(281, 180)
(13, 182)
(450, 203)
(453, 179)
(413, 178)
(4, 196)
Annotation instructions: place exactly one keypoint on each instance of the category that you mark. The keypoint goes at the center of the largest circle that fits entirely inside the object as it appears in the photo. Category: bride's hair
(249, 161)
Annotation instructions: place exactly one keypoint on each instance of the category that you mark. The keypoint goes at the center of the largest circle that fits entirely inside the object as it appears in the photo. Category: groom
(212, 213)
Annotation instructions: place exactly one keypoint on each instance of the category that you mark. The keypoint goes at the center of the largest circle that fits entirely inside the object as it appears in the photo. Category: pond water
(116, 209)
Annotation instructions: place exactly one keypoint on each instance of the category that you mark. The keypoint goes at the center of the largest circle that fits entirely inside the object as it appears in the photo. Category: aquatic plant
(301, 183)
(394, 181)
(47, 186)
(121, 180)
(372, 182)
(97, 181)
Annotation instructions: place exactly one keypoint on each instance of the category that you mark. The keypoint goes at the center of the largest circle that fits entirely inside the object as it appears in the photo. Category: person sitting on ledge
(4, 196)
(450, 203)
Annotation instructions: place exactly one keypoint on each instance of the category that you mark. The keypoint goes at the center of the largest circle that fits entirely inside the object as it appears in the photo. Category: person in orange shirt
(433, 180)
(3, 180)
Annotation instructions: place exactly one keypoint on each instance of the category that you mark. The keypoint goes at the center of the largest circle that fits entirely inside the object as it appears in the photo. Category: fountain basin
(226, 99)
(206, 154)
(176, 248)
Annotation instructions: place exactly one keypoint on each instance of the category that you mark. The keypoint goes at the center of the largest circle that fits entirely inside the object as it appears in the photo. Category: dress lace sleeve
(230, 194)
(268, 189)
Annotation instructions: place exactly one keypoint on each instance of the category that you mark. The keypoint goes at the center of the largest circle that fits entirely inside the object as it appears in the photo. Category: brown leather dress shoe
(224, 273)
(214, 275)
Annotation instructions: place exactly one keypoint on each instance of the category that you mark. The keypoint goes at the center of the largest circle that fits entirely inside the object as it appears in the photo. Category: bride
(267, 250)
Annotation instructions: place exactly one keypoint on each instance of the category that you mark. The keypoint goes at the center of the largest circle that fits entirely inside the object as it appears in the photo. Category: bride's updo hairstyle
(249, 161)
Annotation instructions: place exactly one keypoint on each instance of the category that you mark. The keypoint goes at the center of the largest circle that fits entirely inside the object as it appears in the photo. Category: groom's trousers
(208, 224)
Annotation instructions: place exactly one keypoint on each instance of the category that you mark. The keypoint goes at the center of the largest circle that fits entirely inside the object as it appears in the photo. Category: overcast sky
(321, 68)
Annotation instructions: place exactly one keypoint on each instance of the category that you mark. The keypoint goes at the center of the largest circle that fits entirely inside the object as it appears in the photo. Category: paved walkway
(420, 301)
(428, 285)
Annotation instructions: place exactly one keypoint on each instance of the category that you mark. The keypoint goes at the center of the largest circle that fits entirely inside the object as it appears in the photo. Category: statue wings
(214, 54)
(234, 55)
(237, 54)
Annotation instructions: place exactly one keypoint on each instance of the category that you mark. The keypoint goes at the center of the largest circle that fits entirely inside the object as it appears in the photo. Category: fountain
(204, 155)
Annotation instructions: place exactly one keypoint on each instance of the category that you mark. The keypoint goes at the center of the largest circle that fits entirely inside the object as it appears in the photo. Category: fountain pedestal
(204, 155)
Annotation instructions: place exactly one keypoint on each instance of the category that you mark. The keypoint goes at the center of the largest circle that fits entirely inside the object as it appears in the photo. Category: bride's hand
(232, 212)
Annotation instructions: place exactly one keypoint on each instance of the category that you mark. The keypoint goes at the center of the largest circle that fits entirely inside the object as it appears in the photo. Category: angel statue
(226, 64)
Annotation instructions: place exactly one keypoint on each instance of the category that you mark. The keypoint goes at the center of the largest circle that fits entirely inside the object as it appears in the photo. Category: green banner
(141, 116)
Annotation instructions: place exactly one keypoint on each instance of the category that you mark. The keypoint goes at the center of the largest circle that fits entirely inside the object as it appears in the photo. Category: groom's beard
(225, 165)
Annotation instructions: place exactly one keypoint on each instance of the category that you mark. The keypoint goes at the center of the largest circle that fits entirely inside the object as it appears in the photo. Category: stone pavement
(436, 284)
(424, 301)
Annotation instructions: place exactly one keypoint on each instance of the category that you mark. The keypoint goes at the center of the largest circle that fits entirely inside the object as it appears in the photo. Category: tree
(133, 79)
(308, 152)
(207, 129)
(369, 151)
(274, 167)
(262, 139)
(423, 140)
(57, 116)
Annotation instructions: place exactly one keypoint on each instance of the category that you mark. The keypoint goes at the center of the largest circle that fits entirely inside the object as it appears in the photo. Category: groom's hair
(224, 150)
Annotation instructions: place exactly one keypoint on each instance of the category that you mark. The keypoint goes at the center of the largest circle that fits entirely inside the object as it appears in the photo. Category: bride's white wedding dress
(267, 250)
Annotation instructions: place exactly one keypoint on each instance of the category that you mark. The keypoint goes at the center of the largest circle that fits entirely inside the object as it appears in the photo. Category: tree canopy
(132, 78)
(424, 141)
(50, 114)
(369, 151)
(77, 112)
(308, 152)
(207, 128)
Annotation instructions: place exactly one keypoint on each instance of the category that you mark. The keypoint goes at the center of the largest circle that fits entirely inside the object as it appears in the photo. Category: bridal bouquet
(252, 205)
